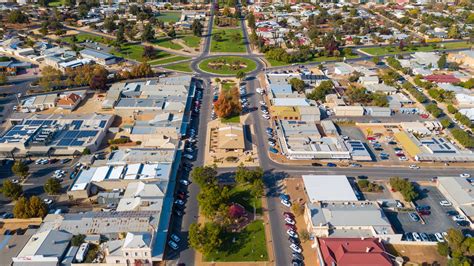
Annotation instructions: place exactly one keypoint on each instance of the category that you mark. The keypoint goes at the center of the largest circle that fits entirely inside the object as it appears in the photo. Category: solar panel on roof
(77, 124)
(102, 123)
(71, 134)
(65, 142)
(77, 143)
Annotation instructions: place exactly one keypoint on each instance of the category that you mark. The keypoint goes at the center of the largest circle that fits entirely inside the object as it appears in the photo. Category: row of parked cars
(290, 225)
(425, 237)
(271, 140)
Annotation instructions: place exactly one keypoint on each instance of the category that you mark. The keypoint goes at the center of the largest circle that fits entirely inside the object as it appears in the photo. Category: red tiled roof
(442, 78)
(264, 29)
(353, 251)
(69, 100)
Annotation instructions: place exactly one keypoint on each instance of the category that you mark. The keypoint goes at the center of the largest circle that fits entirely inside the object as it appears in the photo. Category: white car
(262, 103)
(458, 218)
(439, 237)
(295, 248)
(266, 116)
(259, 90)
(465, 175)
(173, 245)
(445, 203)
(60, 172)
(289, 221)
(403, 158)
(48, 201)
(286, 203)
(414, 166)
(271, 144)
(184, 182)
(188, 156)
(175, 238)
(416, 236)
(292, 233)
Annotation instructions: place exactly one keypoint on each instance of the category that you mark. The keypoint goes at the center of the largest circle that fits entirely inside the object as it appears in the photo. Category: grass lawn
(242, 195)
(56, 3)
(392, 50)
(169, 16)
(191, 41)
(167, 43)
(167, 60)
(81, 37)
(135, 52)
(247, 245)
(226, 69)
(313, 60)
(227, 45)
(232, 119)
(227, 85)
(183, 67)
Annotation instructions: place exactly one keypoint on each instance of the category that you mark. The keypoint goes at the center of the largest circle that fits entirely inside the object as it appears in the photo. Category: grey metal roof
(96, 54)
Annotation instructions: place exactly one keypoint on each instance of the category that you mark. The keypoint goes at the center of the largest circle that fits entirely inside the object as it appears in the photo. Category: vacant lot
(417, 254)
(228, 44)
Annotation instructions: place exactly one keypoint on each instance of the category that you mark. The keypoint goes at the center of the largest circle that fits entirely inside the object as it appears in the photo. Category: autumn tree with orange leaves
(228, 104)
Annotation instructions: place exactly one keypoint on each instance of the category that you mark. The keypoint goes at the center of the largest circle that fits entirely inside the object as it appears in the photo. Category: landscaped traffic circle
(227, 65)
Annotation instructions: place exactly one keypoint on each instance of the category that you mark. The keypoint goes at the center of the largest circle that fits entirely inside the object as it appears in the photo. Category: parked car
(297, 256)
(423, 208)
(173, 245)
(439, 237)
(286, 203)
(416, 236)
(175, 238)
(273, 150)
(465, 175)
(292, 233)
(331, 165)
(452, 213)
(188, 156)
(178, 212)
(462, 223)
(64, 161)
(295, 248)
(414, 166)
(184, 182)
(179, 202)
(458, 218)
(289, 221)
(48, 201)
(289, 214)
(284, 196)
(414, 217)
(408, 237)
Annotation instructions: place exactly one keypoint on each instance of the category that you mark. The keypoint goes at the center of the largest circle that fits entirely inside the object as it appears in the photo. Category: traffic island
(227, 65)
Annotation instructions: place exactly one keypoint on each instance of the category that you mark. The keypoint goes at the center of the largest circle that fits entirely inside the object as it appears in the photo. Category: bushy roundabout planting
(227, 65)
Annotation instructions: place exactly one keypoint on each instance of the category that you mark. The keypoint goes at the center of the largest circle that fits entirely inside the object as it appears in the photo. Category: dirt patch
(416, 254)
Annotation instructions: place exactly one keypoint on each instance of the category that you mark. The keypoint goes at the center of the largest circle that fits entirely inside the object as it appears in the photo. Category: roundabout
(226, 65)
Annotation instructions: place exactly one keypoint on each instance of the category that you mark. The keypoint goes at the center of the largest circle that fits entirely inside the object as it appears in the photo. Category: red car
(370, 138)
(424, 212)
(291, 227)
(289, 214)
(400, 154)
(424, 116)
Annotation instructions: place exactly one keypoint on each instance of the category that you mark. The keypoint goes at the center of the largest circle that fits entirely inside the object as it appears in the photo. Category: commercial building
(381, 88)
(459, 192)
(54, 134)
(46, 248)
(301, 140)
(432, 149)
(351, 111)
(352, 251)
(358, 150)
(348, 219)
(328, 188)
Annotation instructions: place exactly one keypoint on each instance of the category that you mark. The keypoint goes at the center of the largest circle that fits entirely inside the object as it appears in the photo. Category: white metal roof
(132, 171)
(100, 173)
(116, 172)
(328, 188)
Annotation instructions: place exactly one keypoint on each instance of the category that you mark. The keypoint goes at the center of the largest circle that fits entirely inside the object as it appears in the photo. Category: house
(282, 91)
(442, 78)
(459, 192)
(11, 68)
(426, 59)
(69, 101)
(469, 112)
(382, 88)
(370, 80)
(464, 100)
(46, 248)
(352, 251)
(465, 58)
(376, 111)
(98, 57)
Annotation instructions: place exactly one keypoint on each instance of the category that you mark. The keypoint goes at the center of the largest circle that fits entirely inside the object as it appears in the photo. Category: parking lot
(437, 221)
(33, 185)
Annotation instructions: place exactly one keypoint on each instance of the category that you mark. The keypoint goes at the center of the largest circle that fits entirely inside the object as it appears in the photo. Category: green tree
(36, 207)
(376, 60)
(297, 84)
(452, 109)
(17, 16)
(240, 75)
(443, 249)
(405, 187)
(77, 240)
(197, 28)
(446, 123)
(251, 20)
(20, 209)
(257, 188)
(20, 169)
(304, 235)
(171, 33)
(52, 186)
(442, 61)
(12, 190)
(205, 175)
(206, 239)
(213, 200)
(379, 99)
(86, 151)
(120, 35)
(453, 32)
(319, 93)
(297, 209)
(148, 34)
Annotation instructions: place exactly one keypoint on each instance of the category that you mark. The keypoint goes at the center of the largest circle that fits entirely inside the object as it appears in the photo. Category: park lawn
(81, 37)
(227, 86)
(169, 16)
(135, 52)
(392, 50)
(247, 245)
(227, 45)
(167, 60)
(191, 41)
(182, 67)
(226, 70)
(242, 194)
(56, 3)
(275, 63)
(167, 43)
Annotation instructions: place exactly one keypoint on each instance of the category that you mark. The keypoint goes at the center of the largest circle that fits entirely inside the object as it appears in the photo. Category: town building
(328, 188)
(458, 190)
